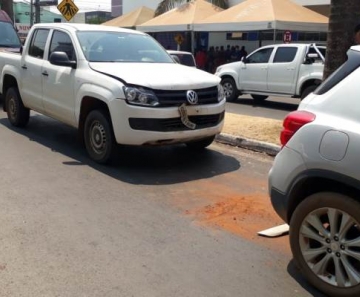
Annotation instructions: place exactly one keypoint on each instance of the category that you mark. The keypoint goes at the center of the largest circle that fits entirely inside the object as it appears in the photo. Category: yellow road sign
(179, 39)
(68, 9)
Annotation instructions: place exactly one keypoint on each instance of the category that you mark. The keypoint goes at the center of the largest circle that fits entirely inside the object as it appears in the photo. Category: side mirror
(243, 59)
(61, 59)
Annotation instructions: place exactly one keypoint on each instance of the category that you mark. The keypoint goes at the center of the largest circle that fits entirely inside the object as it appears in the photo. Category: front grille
(175, 124)
(176, 98)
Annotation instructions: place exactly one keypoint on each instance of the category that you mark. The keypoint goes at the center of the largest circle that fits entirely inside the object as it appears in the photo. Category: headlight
(221, 94)
(140, 96)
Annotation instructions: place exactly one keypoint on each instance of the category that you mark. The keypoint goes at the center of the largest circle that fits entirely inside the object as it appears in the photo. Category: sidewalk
(254, 133)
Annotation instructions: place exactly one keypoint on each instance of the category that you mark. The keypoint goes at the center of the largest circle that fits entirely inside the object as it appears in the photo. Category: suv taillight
(293, 122)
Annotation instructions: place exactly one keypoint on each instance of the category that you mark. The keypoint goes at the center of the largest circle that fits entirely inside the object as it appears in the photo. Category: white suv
(314, 183)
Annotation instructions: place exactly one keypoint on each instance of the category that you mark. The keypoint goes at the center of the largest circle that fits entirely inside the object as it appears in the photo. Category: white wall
(131, 5)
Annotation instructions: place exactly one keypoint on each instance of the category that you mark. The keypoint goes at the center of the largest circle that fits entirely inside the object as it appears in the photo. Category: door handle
(45, 73)
(24, 66)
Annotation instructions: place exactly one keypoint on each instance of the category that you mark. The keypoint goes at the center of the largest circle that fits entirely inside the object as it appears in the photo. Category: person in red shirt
(200, 59)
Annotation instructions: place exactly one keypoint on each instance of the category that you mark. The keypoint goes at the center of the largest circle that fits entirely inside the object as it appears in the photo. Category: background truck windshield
(121, 47)
(8, 36)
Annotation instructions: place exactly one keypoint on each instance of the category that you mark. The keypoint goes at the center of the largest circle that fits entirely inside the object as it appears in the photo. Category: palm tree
(166, 5)
(7, 6)
(344, 16)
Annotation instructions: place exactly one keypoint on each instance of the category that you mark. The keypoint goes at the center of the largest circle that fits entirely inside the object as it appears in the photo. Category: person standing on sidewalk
(357, 35)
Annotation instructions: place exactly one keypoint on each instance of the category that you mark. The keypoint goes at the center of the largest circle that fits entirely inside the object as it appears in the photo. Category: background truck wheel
(324, 239)
(17, 113)
(259, 98)
(230, 89)
(200, 144)
(99, 137)
(307, 91)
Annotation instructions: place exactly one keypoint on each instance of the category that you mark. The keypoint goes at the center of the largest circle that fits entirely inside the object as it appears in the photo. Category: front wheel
(200, 144)
(17, 113)
(99, 137)
(230, 90)
(325, 242)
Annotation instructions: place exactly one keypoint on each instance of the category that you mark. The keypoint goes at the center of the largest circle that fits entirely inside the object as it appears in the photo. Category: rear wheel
(200, 144)
(325, 241)
(230, 90)
(307, 91)
(259, 98)
(17, 113)
(99, 137)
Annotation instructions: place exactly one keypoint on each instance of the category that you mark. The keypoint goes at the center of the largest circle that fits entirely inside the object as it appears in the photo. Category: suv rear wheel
(17, 113)
(325, 241)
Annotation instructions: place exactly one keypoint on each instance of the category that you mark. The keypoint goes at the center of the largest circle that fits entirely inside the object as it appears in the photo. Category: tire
(336, 246)
(307, 91)
(199, 145)
(17, 113)
(259, 98)
(99, 136)
(230, 90)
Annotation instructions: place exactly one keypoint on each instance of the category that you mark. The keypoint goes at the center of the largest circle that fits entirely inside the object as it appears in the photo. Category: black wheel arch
(315, 181)
(89, 104)
(308, 83)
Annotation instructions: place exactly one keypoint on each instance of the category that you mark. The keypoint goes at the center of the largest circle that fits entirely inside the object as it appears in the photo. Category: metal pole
(31, 13)
(37, 11)
(193, 41)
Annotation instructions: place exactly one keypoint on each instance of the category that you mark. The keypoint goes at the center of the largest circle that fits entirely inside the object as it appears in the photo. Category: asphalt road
(273, 107)
(156, 223)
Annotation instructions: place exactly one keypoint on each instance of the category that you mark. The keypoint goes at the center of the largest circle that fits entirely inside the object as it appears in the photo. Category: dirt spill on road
(242, 214)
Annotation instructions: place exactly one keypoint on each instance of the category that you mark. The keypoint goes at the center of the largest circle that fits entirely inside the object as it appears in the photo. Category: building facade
(117, 8)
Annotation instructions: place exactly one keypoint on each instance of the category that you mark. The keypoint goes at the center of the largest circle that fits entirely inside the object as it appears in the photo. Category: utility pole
(31, 13)
(37, 11)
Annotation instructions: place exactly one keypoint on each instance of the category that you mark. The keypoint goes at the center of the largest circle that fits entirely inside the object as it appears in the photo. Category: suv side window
(38, 43)
(261, 56)
(285, 54)
(61, 42)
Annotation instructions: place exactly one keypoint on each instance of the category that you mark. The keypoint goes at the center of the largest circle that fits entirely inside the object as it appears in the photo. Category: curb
(250, 144)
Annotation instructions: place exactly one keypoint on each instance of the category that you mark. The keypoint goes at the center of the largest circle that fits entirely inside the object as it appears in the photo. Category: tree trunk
(7, 6)
(344, 16)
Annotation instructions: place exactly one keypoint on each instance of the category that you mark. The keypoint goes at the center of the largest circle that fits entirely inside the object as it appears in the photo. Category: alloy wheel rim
(12, 108)
(228, 89)
(330, 245)
(98, 138)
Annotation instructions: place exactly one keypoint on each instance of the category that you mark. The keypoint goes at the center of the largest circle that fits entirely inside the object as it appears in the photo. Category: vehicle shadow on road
(297, 276)
(134, 165)
(269, 104)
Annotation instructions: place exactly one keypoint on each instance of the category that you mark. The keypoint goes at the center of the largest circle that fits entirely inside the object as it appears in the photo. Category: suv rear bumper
(279, 203)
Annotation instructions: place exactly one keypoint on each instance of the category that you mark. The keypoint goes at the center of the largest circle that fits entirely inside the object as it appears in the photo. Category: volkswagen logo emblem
(192, 97)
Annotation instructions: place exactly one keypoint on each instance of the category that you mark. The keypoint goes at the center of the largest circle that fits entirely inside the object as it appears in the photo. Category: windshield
(99, 46)
(8, 36)
(185, 59)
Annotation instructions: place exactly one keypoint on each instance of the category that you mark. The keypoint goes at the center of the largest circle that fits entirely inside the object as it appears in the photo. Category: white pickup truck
(293, 70)
(114, 85)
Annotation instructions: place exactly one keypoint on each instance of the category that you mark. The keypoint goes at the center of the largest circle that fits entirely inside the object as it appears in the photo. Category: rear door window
(38, 42)
(352, 63)
(285, 54)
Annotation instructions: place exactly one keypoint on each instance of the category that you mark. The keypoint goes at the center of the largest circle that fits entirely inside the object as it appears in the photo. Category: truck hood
(159, 76)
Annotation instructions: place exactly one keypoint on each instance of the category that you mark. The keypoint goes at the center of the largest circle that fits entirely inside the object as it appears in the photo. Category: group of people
(209, 60)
